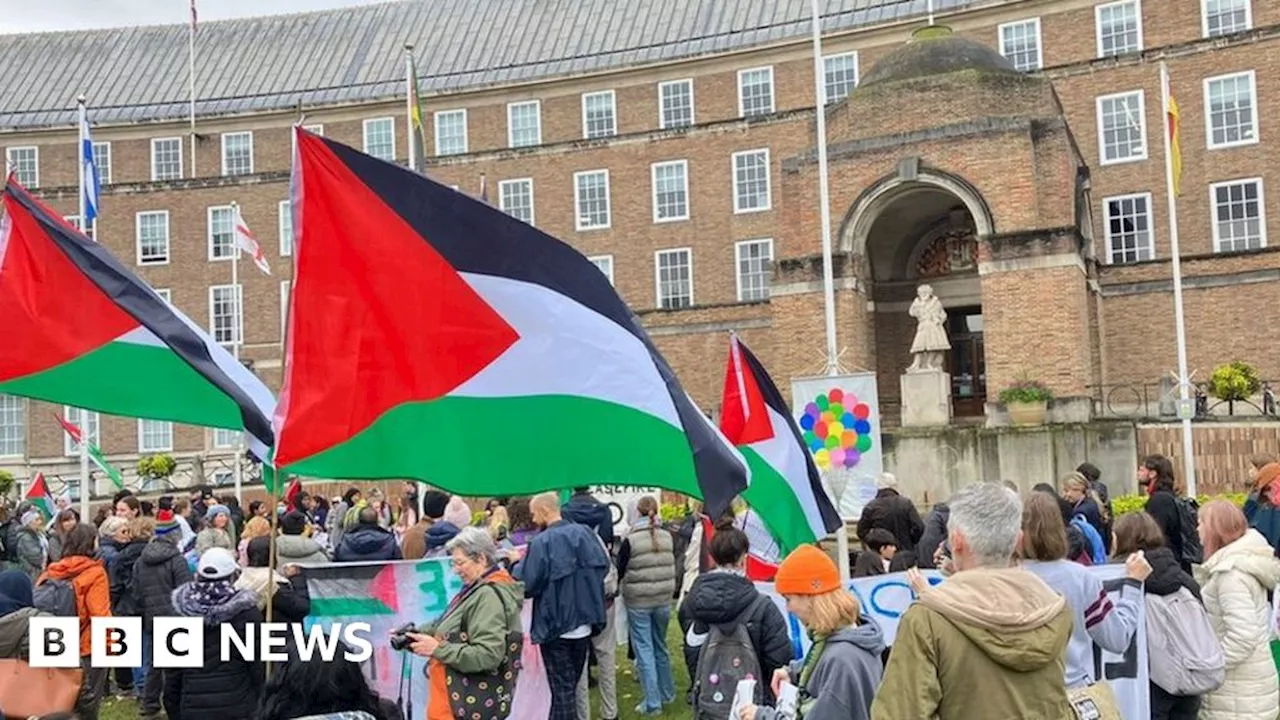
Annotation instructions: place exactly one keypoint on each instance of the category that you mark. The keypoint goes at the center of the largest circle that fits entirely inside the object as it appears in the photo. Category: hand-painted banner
(839, 419)
(885, 598)
(389, 595)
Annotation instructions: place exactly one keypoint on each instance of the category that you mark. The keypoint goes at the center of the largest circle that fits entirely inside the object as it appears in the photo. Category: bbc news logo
(179, 642)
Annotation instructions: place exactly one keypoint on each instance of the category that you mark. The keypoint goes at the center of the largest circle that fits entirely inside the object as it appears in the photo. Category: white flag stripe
(247, 242)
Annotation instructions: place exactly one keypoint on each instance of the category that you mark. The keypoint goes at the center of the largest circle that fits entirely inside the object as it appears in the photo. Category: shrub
(7, 481)
(671, 512)
(1026, 391)
(1125, 504)
(1234, 381)
(156, 467)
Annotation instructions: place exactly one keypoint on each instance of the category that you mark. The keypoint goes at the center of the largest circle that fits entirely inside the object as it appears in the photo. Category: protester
(839, 676)
(1093, 474)
(1080, 549)
(895, 513)
(522, 526)
(160, 570)
(935, 533)
(62, 524)
(131, 540)
(458, 512)
(255, 527)
(445, 527)
(88, 580)
(182, 512)
(585, 509)
(723, 597)
(1261, 506)
(16, 611)
(881, 547)
(367, 542)
(1239, 571)
(291, 600)
(338, 690)
(1086, 503)
(236, 526)
(148, 509)
(478, 639)
(990, 641)
(647, 574)
(355, 503)
(415, 538)
(1155, 476)
(104, 512)
(258, 508)
(215, 533)
(499, 524)
(32, 544)
(108, 546)
(217, 690)
(128, 507)
(379, 505)
(563, 571)
(293, 546)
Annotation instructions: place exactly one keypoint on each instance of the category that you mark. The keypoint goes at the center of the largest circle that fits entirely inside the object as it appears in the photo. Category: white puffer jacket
(1234, 582)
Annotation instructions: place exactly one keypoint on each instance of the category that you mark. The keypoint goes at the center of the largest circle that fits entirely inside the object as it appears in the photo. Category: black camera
(400, 639)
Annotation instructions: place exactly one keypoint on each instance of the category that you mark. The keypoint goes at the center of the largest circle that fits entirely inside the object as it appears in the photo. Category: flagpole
(84, 436)
(1184, 378)
(84, 118)
(408, 106)
(237, 338)
(930, 8)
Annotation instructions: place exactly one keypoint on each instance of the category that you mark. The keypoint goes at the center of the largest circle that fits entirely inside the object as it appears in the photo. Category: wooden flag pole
(271, 560)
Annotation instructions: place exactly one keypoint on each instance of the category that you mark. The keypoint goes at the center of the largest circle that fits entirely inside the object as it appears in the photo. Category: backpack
(727, 657)
(1188, 520)
(1185, 655)
(56, 597)
(611, 575)
(1097, 551)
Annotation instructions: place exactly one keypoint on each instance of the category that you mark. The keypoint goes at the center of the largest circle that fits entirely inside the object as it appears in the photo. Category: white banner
(839, 418)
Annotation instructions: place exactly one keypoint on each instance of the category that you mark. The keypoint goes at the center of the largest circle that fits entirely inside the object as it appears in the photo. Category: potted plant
(1027, 402)
(1234, 382)
(155, 469)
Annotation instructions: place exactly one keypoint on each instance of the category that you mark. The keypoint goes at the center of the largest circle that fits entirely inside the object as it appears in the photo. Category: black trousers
(564, 660)
(1173, 707)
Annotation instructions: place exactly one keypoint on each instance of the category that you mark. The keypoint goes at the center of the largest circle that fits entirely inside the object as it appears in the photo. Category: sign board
(621, 500)
(839, 419)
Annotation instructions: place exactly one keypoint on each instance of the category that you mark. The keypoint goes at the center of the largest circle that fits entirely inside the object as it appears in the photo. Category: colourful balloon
(861, 411)
(815, 445)
(851, 458)
(806, 422)
(864, 443)
(837, 457)
(835, 429)
(849, 400)
(828, 417)
(836, 409)
(811, 409)
(823, 459)
(836, 395)
(822, 402)
(848, 439)
(820, 430)
(847, 419)
(833, 442)
(862, 427)
(809, 437)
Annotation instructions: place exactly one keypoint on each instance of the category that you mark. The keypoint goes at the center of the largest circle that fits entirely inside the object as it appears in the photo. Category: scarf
(216, 600)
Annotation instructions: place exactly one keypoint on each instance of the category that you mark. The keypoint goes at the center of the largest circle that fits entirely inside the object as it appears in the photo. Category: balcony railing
(1159, 401)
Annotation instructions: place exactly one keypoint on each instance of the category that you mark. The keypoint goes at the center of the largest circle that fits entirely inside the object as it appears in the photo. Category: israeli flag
(91, 183)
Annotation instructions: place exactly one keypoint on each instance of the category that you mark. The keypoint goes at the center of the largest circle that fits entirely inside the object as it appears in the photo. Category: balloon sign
(837, 429)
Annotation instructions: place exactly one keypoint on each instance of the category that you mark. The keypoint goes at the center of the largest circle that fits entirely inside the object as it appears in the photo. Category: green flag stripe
(773, 497)
(348, 607)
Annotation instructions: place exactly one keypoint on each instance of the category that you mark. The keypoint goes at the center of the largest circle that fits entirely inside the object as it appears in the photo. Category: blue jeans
(649, 641)
(140, 673)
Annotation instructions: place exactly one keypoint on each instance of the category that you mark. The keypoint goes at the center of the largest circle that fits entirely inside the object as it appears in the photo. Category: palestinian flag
(434, 337)
(39, 496)
(786, 488)
(82, 330)
(95, 453)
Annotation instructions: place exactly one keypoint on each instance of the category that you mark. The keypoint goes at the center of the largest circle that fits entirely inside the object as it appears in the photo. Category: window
(751, 181)
(223, 477)
(380, 138)
(755, 92)
(1230, 110)
(1020, 43)
(25, 162)
(1223, 17)
(1128, 228)
(675, 278)
(155, 436)
(599, 114)
(451, 132)
(314, 129)
(1122, 128)
(675, 104)
(1237, 215)
(222, 232)
(74, 221)
(166, 159)
(71, 486)
(840, 76)
(755, 268)
(605, 264)
(285, 286)
(524, 124)
(237, 153)
(225, 317)
(90, 424)
(153, 237)
(591, 199)
(224, 439)
(670, 191)
(13, 426)
(286, 228)
(515, 198)
(102, 158)
(1119, 28)
(165, 295)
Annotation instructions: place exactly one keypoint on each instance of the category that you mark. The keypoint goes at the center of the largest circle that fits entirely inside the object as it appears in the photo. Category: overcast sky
(18, 16)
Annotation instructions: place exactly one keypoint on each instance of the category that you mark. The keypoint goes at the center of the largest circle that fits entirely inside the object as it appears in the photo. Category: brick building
(1014, 161)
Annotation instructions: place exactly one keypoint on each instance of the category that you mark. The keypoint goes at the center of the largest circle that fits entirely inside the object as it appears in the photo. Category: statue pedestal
(926, 398)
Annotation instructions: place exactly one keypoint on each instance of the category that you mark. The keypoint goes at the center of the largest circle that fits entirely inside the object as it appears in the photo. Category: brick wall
(1222, 451)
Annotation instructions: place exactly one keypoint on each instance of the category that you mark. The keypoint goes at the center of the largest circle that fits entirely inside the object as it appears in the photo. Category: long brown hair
(1044, 535)
(1137, 531)
(648, 507)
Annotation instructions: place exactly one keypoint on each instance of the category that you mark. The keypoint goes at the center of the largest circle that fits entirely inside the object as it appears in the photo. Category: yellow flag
(1175, 145)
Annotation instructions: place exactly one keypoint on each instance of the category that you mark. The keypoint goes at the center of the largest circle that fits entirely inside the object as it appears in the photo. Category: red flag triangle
(744, 417)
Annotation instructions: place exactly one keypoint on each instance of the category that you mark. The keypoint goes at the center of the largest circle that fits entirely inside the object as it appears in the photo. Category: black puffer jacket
(121, 575)
(720, 597)
(219, 690)
(935, 533)
(159, 570)
(894, 513)
(1167, 576)
(367, 543)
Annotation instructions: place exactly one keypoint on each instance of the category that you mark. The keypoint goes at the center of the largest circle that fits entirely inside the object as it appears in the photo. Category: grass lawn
(629, 693)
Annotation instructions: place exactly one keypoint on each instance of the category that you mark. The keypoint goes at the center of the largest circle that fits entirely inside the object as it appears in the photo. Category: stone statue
(931, 335)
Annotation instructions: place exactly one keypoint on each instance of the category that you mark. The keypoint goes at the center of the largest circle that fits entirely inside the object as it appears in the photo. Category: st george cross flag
(95, 453)
(92, 181)
(84, 331)
(432, 336)
(249, 244)
(786, 489)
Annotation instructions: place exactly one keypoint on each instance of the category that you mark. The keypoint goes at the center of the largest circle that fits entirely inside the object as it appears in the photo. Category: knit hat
(216, 564)
(458, 512)
(31, 516)
(433, 504)
(165, 523)
(887, 480)
(807, 571)
(215, 510)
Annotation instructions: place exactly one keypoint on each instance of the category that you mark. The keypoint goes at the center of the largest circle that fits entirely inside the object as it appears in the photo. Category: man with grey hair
(990, 640)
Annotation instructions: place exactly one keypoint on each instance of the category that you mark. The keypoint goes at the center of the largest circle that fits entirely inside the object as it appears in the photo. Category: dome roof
(935, 51)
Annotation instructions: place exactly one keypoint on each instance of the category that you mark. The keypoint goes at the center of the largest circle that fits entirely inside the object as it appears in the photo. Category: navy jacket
(367, 543)
(563, 572)
(584, 509)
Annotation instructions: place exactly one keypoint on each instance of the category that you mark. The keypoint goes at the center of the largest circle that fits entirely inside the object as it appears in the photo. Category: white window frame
(1253, 106)
(19, 410)
(435, 124)
(657, 277)
(733, 175)
(1142, 117)
(234, 435)
(286, 287)
(1262, 212)
(1204, 17)
(181, 170)
(511, 128)
(104, 169)
(209, 232)
(577, 201)
(284, 212)
(35, 150)
(1000, 39)
(597, 259)
(773, 92)
(225, 137)
(662, 108)
(238, 306)
(1097, 24)
(613, 114)
(1106, 226)
(857, 74)
(314, 129)
(165, 294)
(364, 136)
(143, 448)
(501, 195)
(653, 190)
(90, 428)
(737, 267)
(168, 237)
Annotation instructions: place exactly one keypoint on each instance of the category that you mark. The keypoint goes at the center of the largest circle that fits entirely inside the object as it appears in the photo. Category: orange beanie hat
(807, 571)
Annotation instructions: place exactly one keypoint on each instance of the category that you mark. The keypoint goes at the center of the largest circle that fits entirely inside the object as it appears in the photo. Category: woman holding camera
(478, 638)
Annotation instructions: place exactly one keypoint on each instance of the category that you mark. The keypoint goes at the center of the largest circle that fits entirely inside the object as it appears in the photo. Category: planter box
(1027, 413)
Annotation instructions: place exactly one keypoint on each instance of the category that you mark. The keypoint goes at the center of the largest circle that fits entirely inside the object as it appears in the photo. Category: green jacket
(476, 627)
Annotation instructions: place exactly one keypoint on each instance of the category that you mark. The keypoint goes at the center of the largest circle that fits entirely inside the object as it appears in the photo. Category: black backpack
(56, 597)
(727, 657)
(1188, 521)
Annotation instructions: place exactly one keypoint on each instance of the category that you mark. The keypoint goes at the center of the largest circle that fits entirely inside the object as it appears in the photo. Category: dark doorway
(967, 362)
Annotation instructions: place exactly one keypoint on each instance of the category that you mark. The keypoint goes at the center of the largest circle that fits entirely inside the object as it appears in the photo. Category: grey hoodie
(298, 549)
(844, 682)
